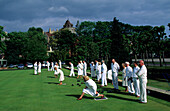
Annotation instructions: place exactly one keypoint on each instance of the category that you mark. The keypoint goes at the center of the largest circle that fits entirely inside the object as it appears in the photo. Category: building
(67, 26)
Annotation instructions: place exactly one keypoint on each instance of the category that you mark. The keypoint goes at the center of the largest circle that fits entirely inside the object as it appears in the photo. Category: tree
(2, 43)
(118, 50)
(159, 39)
(26, 46)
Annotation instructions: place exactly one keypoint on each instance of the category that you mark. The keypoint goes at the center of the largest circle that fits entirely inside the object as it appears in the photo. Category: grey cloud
(53, 13)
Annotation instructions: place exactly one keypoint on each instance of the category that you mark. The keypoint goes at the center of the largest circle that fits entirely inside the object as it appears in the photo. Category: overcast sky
(19, 15)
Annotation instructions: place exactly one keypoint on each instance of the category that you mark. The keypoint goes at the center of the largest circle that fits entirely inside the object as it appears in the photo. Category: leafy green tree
(15, 47)
(2, 43)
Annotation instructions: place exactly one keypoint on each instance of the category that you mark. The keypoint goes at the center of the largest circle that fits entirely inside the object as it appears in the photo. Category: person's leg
(137, 87)
(102, 80)
(113, 80)
(141, 91)
(144, 92)
(117, 82)
(81, 96)
(105, 79)
(77, 76)
(73, 73)
(131, 87)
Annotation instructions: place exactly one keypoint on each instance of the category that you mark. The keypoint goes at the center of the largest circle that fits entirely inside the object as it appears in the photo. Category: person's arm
(141, 72)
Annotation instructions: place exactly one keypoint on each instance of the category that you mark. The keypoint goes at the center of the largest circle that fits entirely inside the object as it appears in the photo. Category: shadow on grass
(77, 96)
(50, 77)
(122, 98)
(51, 82)
(34, 74)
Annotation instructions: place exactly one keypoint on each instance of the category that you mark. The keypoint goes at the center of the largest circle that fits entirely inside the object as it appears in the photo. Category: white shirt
(104, 68)
(56, 66)
(115, 67)
(142, 72)
(80, 67)
(84, 66)
(135, 70)
(48, 64)
(129, 71)
(35, 65)
(60, 64)
(99, 68)
(91, 85)
(72, 67)
(92, 67)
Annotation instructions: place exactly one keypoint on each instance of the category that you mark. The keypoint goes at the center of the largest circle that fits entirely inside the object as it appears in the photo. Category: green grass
(20, 90)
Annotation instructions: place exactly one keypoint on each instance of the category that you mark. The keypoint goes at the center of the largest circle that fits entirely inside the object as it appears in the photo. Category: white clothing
(35, 68)
(96, 68)
(115, 67)
(80, 69)
(129, 72)
(60, 65)
(39, 67)
(124, 82)
(104, 72)
(142, 74)
(136, 81)
(91, 88)
(135, 70)
(92, 67)
(99, 72)
(61, 74)
(84, 69)
(52, 66)
(56, 71)
(72, 70)
(48, 66)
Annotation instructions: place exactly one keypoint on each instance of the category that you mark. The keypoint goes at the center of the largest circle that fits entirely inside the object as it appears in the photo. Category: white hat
(127, 63)
(92, 62)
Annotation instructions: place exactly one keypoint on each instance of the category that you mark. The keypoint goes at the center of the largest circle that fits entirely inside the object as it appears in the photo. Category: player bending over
(91, 88)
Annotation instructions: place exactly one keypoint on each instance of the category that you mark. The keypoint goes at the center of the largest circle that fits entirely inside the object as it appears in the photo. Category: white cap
(92, 62)
(127, 63)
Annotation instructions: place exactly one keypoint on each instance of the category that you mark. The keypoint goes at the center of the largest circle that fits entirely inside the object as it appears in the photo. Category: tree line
(107, 40)
(92, 40)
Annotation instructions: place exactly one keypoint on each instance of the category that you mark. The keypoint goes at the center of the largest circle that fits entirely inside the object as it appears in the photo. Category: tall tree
(2, 42)
(118, 50)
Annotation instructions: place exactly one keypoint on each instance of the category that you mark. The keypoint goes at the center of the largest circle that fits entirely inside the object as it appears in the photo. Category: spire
(50, 30)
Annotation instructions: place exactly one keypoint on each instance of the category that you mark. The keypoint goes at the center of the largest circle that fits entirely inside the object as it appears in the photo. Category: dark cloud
(19, 15)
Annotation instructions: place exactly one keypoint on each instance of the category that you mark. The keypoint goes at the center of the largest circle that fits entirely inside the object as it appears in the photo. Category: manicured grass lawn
(20, 90)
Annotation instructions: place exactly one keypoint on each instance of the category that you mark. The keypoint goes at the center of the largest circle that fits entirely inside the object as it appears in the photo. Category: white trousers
(90, 91)
(136, 86)
(99, 76)
(104, 80)
(35, 70)
(130, 87)
(92, 73)
(52, 68)
(115, 80)
(72, 73)
(143, 94)
(84, 72)
(39, 70)
(48, 68)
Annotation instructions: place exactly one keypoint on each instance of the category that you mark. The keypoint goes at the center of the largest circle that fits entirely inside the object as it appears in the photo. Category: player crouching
(91, 88)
